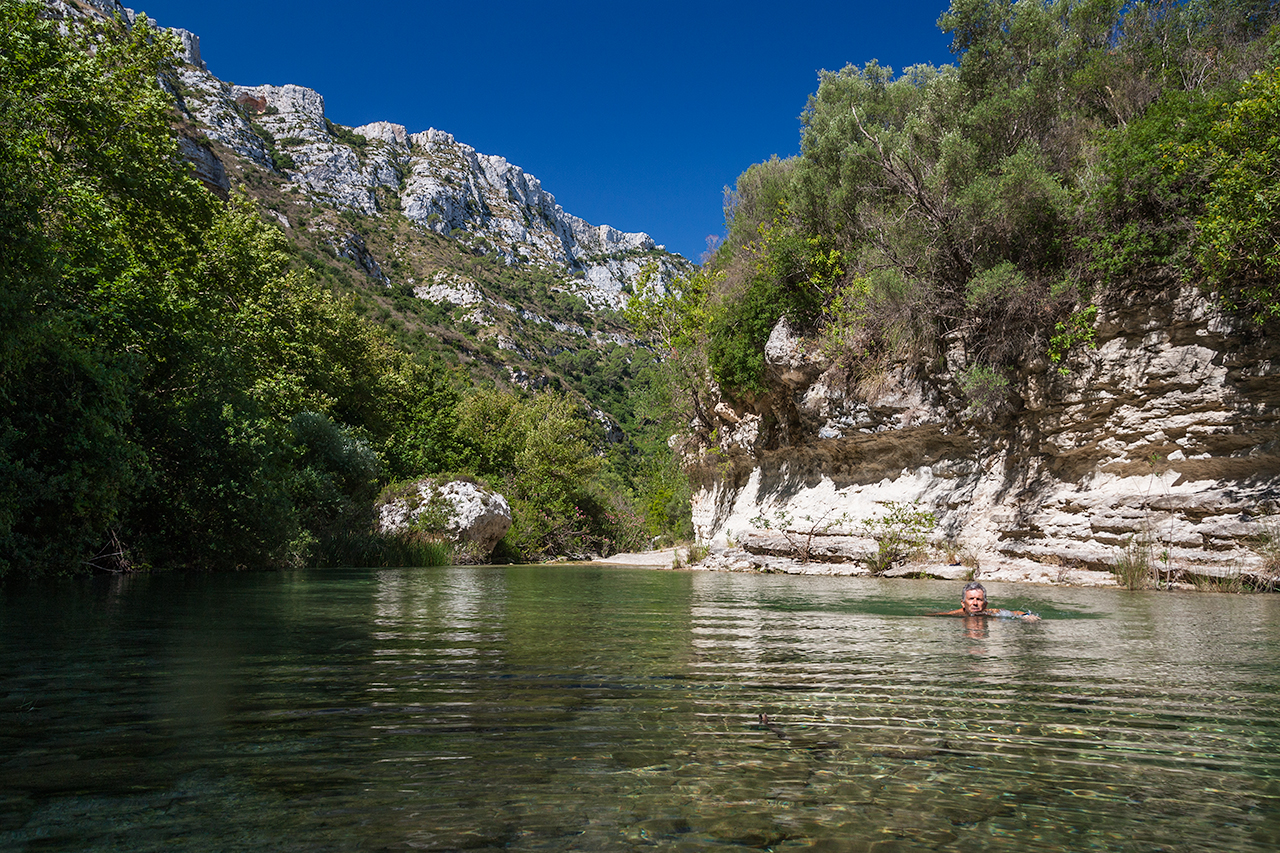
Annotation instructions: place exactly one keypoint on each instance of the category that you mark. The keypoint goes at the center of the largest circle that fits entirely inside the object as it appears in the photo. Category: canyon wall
(1161, 437)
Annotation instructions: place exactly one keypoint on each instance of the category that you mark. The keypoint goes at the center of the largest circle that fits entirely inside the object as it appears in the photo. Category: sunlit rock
(1164, 441)
(470, 516)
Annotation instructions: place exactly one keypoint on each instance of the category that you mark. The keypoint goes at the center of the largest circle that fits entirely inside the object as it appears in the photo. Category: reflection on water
(604, 708)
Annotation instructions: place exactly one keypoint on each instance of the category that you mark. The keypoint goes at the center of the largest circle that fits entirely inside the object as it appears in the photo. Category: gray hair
(974, 585)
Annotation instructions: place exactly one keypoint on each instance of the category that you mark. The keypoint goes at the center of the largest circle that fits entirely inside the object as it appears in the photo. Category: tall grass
(1134, 567)
(1233, 582)
(402, 550)
(1266, 544)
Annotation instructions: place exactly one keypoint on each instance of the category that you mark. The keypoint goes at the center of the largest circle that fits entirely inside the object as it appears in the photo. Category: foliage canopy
(173, 391)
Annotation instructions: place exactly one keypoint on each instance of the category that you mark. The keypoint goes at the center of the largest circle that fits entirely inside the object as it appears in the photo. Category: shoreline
(738, 560)
(1002, 571)
(662, 558)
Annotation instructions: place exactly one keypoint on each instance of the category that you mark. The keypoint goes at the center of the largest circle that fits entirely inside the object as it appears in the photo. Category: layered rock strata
(1159, 445)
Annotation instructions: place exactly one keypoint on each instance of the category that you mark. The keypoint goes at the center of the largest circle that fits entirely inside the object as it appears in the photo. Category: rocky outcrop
(470, 516)
(439, 183)
(99, 9)
(206, 166)
(1162, 442)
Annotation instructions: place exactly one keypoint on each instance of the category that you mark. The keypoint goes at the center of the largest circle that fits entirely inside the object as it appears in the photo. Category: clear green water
(606, 708)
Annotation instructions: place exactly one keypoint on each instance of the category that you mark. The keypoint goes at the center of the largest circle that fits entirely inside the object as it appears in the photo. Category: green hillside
(187, 383)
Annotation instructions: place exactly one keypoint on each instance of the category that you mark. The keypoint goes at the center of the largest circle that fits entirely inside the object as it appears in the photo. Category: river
(604, 708)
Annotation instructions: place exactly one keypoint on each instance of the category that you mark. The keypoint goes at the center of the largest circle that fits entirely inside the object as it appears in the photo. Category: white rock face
(479, 516)
(190, 48)
(467, 513)
(212, 103)
(452, 188)
(440, 183)
(787, 358)
(100, 9)
(452, 288)
(1165, 436)
(384, 131)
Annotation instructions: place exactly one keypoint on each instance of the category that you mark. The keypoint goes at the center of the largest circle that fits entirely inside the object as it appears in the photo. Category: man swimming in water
(973, 602)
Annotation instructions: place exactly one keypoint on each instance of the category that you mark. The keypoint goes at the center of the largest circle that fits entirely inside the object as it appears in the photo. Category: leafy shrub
(1140, 210)
(1075, 330)
(793, 276)
(998, 283)
(737, 336)
(537, 452)
(900, 534)
(756, 198)
(986, 387)
(358, 142)
(334, 478)
(1237, 235)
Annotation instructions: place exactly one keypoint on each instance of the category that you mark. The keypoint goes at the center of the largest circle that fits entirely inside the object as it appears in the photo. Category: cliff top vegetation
(1075, 146)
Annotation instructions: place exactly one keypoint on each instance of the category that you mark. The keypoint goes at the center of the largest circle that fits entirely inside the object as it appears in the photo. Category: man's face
(975, 601)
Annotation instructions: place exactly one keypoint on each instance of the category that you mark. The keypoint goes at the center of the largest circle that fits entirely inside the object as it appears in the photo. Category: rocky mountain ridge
(459, 253)
(434, 180)
(437, 182)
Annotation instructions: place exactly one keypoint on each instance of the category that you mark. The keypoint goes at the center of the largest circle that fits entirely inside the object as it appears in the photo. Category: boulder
(468, 515)
(787, 359)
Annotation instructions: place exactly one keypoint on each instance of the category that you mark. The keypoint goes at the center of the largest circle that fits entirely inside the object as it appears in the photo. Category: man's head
(973, 598)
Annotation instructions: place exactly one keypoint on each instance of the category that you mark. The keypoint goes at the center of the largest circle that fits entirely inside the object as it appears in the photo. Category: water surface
(606, 708)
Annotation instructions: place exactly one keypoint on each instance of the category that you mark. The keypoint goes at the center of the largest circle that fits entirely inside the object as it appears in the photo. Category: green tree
(166, 383)
(1137, 213)
(538, 452)
(1238, 234)
(675, 319)
(84, 153)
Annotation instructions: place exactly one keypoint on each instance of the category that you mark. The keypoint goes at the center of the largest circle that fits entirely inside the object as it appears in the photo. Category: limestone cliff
(1163, 439)
(441, 184)
(434, 180)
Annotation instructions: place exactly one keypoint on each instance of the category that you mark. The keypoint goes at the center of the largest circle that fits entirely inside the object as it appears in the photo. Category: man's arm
(1024, 615)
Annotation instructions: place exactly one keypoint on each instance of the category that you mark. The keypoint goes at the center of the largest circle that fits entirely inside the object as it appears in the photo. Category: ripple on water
(580, 708)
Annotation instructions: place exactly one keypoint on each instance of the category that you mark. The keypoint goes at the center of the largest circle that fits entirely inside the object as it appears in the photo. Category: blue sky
(632, 115)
